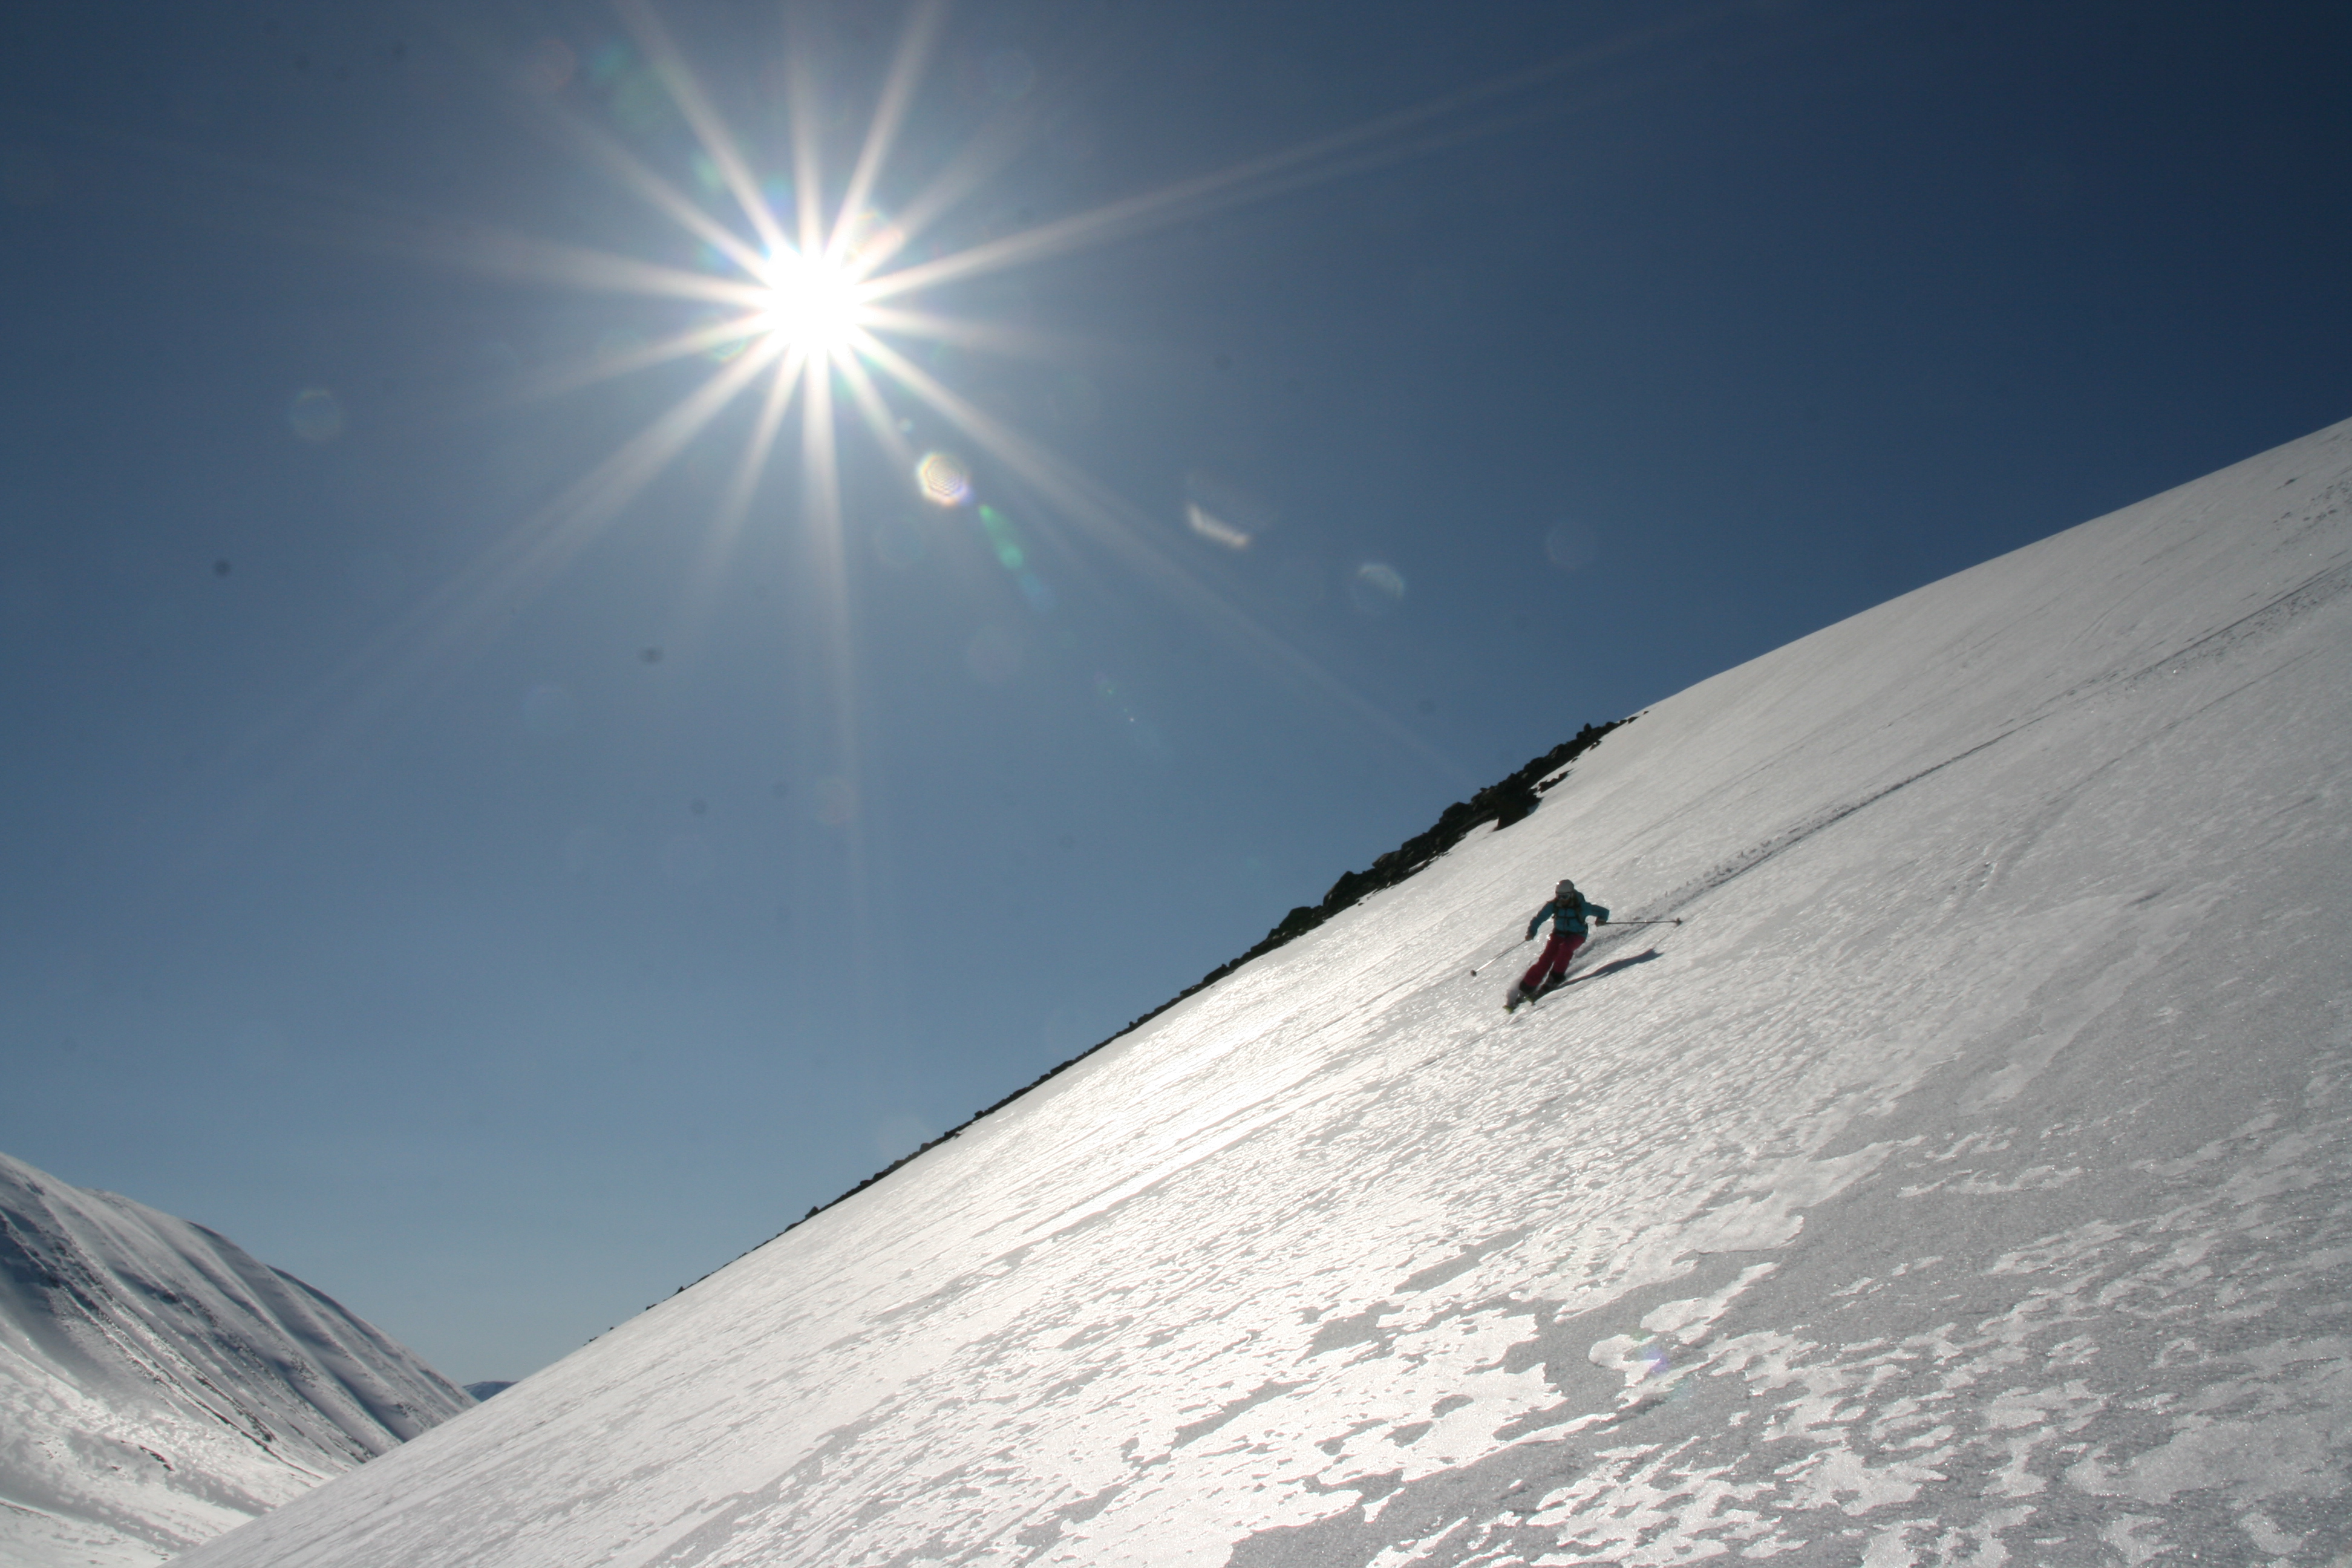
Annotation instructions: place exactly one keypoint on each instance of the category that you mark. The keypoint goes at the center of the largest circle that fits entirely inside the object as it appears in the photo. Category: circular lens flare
(812, 304)
(943, 480)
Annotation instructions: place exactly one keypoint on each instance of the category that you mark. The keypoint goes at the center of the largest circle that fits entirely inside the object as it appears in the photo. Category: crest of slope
(1966, 1180)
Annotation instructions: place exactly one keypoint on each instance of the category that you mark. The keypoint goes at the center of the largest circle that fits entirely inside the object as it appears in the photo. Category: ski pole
(1670, 923)
(1485, 962)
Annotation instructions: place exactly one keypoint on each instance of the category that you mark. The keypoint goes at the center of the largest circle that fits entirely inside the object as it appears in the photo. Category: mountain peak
(158, 1384)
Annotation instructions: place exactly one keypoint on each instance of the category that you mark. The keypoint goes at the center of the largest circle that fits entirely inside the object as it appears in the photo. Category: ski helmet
(1565, 888)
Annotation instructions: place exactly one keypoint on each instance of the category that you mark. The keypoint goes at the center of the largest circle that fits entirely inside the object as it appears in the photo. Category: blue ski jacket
(1567, 917)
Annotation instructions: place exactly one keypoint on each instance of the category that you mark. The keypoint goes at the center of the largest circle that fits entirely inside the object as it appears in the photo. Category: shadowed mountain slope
(158, 1385)
(1966, 1181)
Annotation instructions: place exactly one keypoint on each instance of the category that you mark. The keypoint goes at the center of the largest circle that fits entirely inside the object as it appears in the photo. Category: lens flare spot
(944, 480)
(1376, 587)
(1002, 539)
(315, 414)
(1214, 529)
(1223, 512)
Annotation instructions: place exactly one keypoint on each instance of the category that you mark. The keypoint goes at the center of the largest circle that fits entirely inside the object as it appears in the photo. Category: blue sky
(499, 909)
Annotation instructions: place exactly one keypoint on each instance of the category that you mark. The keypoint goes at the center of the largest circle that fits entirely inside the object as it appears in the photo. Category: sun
(809, 295)
(813, 300)
(811, 305)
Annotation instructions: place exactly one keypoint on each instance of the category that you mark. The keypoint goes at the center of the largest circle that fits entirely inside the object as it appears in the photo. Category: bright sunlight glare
(799, 313)
(805, 301)
(813, 305)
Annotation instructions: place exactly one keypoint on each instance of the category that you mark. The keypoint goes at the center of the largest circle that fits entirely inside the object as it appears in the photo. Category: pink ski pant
(1556, 954)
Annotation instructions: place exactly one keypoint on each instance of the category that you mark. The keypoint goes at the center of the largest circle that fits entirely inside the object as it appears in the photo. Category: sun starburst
(806, 296)
(803, 291)
(812, 304)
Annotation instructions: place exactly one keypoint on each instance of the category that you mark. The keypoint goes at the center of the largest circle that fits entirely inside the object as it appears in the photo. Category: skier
(1567, 912)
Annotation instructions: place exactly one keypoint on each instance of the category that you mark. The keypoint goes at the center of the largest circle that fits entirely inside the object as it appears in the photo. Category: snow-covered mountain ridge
(1970, 1180)
(158, 1385)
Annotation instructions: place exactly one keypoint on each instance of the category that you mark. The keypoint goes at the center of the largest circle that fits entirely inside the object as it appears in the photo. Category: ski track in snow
(1966, 1183)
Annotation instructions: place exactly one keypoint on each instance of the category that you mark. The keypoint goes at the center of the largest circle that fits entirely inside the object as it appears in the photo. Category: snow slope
(1966, 1181)
(158, 1385)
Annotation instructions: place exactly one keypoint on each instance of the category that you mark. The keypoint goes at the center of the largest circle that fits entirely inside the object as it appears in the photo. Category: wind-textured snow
(158, 1385)
(1966, 1182)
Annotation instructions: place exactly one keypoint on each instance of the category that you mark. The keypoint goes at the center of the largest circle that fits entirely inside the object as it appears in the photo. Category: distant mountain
(158, 1385)
(1968, 1180)
(484, 1390)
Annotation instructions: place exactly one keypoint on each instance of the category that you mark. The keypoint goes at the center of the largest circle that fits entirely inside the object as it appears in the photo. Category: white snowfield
(158, 1385)
(1966, 1182)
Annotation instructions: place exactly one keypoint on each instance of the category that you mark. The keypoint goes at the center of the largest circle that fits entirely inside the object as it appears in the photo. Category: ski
(1516, 998)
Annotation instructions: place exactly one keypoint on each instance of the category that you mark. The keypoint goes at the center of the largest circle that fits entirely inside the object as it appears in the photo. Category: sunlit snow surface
(1966, 1181)
(158, 1385)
